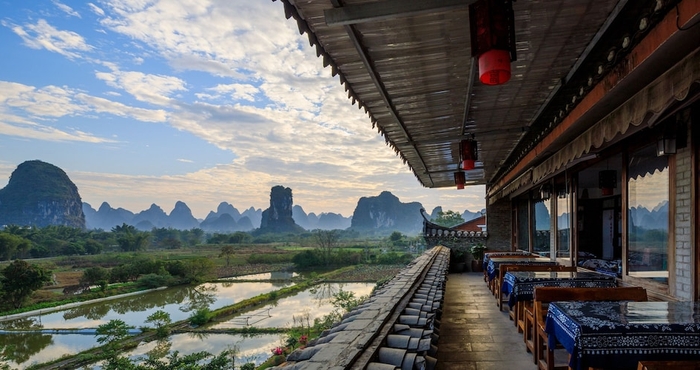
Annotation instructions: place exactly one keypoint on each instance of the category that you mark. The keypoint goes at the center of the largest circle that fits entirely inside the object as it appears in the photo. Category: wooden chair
(524, 315)
(543, 355)
(504, 268)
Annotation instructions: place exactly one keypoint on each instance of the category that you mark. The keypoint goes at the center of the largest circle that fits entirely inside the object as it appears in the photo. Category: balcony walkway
(474, 335)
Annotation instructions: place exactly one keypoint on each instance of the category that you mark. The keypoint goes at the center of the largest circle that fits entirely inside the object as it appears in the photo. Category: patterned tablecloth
(619, 334)
(492, 268)
(487, 256)
(520, 285)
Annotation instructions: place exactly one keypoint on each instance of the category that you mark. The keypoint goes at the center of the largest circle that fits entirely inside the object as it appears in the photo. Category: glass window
(648, 215)
(563, 223)
(523, 225)
(542, 227)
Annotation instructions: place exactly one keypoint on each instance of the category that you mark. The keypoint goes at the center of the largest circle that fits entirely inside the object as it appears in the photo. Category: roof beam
(388, 9)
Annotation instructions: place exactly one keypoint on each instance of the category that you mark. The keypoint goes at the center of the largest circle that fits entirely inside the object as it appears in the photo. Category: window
(563, 240)
(542, 227)
(648, 215)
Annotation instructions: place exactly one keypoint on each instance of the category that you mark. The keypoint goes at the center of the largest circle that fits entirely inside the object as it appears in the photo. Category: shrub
(151, 281)
(201, 317)
(306, 259)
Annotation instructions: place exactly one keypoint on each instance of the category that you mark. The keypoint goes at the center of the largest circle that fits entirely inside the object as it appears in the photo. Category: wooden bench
(543, 355)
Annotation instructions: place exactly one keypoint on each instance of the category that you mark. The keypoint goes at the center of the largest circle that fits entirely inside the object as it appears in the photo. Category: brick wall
(498, 225)
(683, 288)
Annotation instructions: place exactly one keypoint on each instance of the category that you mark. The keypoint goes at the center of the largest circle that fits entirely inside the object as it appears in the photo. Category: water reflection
(179, 302)
(275, 275)
(26, 349)
(20, 347)
(254, 349)
(283, 312)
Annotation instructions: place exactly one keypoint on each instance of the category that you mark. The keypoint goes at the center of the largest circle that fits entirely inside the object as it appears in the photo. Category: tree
(326, 241)
(240, 237)
(130, 239)
(10, 244)
(448, 219)
(112, 332)
(199, 269)
(162, 321)
(395, 236)
(20, 280)
(94, 275)
(227, 251)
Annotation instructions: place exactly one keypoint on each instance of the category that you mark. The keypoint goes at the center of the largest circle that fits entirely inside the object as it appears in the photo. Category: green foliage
(395, 236)
(112, 332)
(477, 251)
(227, 251)
(151, 281)
(162, 321)
(248, 366)
(94, 275)
(270, 258)
(20, 280)
(130, 239)
(448, 219)
(11, 245)
(201, 317)
(239, 237)
(199, 269)
(306, 259)
(393, 258)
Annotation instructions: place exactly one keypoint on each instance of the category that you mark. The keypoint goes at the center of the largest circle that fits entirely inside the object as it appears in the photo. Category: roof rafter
(388, 9)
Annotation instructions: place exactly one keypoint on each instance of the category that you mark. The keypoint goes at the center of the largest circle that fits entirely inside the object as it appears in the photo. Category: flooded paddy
(32, 341)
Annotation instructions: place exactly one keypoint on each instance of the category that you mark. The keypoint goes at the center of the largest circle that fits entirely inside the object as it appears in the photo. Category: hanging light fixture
(468, 154)
(545, 191)
(666, 144)
(460, 179)
(607, 181)
(492, 31)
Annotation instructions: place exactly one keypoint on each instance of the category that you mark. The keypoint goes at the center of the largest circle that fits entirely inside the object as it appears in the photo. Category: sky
(159, 101)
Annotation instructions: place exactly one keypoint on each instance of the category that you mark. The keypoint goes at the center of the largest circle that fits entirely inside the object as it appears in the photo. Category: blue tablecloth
(520, 285)
(617, 335)
(492, 268)
(487, 256)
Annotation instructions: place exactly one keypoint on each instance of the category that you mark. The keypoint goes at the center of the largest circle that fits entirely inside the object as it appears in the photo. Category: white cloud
(66, 9)
(44, 36)
(36, 107)
(97, 10)
(236, 91)
(154, 89)
(272, 104)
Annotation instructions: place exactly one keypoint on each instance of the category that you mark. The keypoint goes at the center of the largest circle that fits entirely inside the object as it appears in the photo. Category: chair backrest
(544, 295)
(550, 294)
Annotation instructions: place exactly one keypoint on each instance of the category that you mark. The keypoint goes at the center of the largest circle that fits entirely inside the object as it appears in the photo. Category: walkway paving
(474, 335)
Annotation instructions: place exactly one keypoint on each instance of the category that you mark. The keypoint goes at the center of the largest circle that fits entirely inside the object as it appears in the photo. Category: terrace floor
(474, 335)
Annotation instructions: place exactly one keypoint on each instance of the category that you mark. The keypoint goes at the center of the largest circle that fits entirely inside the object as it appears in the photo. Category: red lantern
(468, 154)
(460, 179)
(607, 182)
(493, 39)
(494, 67)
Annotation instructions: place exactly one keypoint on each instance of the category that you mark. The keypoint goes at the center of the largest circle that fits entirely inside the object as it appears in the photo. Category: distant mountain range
(41, 194)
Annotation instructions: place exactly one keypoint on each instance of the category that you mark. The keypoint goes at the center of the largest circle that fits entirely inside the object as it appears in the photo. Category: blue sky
(148, 101)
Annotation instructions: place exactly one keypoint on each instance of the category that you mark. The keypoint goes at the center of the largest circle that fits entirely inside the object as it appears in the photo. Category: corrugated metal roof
(413, 74)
